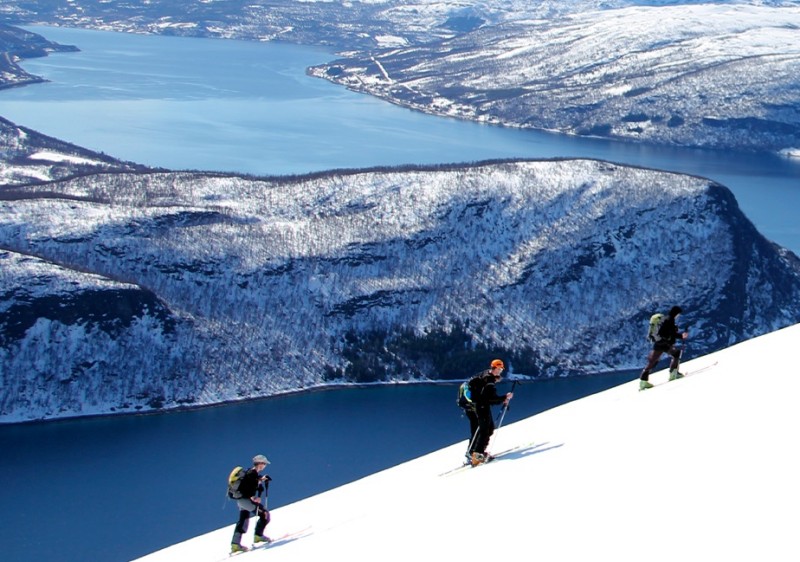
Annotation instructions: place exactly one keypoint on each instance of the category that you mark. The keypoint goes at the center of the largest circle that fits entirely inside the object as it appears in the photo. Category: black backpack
(469, 392)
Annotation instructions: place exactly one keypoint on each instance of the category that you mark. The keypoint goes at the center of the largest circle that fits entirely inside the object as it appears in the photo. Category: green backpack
(655, 325)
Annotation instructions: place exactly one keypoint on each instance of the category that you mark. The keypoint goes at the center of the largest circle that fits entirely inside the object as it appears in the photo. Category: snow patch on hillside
(60, 157)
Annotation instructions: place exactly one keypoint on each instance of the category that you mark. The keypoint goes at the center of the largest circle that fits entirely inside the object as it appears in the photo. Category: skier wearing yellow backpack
(246, 486)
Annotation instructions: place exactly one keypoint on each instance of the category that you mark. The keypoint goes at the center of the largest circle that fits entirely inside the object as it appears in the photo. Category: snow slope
(697, 469)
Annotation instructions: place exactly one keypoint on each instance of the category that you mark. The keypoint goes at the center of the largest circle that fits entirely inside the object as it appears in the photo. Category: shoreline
(520, 379)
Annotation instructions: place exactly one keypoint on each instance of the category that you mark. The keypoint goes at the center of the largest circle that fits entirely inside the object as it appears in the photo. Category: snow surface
(702, 468)
(53, 156)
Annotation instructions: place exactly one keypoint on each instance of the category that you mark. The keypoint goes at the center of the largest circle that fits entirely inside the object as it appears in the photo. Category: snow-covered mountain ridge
(716, 74)
(342, 24)
(696, 469)
(723, 76)
(221, 287)
(30, 157)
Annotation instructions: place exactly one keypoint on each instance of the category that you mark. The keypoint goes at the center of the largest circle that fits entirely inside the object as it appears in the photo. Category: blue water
(249, 107)
(114, 489)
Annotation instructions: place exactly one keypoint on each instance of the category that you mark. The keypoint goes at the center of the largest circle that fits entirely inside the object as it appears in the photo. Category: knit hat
(260, 459)
(674, 311)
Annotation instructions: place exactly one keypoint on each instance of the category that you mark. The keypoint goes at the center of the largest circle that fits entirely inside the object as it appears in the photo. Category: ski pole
(267, 480)
(505, 409)
(472, 441)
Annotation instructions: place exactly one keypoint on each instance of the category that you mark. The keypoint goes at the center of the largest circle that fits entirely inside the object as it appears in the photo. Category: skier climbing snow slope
(701, 468)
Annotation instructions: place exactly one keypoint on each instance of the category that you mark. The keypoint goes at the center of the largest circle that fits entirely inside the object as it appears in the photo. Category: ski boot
(237, 548)
(675, 375)
(477, 458)
(644, 385)
(261, 538)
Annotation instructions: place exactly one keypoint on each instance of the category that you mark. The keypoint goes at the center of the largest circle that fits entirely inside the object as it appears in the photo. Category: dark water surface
(117, 488)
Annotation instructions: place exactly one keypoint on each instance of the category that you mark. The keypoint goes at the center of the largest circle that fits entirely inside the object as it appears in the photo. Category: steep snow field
(702, 468)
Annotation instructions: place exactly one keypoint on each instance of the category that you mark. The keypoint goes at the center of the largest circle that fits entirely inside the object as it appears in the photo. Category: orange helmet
(498, 364)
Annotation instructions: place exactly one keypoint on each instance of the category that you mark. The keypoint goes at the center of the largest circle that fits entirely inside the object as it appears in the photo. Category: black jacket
(488, 396)
(668, 332)
(251, 484)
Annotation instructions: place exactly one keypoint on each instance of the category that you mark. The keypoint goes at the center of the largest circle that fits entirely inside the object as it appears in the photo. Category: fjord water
(249, 107)
(117, 488)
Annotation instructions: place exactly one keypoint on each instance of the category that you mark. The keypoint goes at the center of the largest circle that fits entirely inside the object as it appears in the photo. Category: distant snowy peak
(723, 76)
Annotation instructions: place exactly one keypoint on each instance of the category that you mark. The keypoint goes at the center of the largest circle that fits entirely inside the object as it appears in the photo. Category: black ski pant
(655, 355)
(247, 508)
(481, 426)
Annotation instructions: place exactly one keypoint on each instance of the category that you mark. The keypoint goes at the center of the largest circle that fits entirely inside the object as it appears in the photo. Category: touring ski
(492, 457)
(276, 541)
(683, 375)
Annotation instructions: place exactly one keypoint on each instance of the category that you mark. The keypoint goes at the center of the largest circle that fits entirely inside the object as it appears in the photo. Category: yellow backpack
(234, 479)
